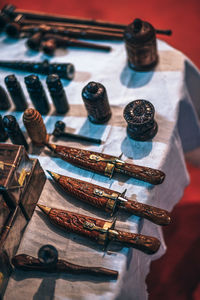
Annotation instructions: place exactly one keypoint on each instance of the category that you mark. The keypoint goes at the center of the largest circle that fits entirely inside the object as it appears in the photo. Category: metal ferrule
(112, 199)
(112, 234)
(103, 231)
(112, 163)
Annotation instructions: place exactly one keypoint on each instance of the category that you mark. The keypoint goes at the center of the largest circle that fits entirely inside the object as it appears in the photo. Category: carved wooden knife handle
(150, 175)
(156, 215)
(147, 244)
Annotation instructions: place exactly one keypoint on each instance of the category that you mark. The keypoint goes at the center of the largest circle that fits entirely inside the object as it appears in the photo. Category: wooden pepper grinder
(96, 102)
(35, 127)
(141, 48)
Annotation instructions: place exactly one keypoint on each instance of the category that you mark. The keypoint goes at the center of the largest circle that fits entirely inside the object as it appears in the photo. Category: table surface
(172, 88)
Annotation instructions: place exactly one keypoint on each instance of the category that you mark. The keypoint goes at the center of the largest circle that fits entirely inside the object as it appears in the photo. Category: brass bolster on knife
(111, 163)
(103, 231)
(112, 199)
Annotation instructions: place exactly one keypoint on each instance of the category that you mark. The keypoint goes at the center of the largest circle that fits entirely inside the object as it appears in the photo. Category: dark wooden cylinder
(57, 93)
(4, 101)
(16, 92)
(37, 94)
(96, 102)
(141, 48)
(14, 132)
(139, 115)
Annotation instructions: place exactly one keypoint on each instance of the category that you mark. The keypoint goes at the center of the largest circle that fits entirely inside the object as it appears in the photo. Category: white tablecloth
(173, 88)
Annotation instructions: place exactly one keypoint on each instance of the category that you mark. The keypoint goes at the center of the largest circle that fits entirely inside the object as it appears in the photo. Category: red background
(182, 16)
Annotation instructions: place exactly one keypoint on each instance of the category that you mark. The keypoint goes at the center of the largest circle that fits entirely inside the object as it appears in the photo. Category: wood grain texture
(156, 215)
(84, 191)
(29, 263)
(150, 175)
(100, 231)
(73, 222)
(147, 244)
(82, 158)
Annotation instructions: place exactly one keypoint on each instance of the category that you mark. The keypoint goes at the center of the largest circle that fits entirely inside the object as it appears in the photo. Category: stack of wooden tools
(22, 179)
(59, 31)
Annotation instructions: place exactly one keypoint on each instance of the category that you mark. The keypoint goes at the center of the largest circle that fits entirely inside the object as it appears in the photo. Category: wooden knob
(35, 126)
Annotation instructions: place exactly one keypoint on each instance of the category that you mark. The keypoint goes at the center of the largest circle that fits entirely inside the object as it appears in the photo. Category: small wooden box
(21, 178)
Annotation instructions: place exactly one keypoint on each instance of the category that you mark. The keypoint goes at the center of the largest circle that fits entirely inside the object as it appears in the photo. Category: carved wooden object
(108, 200)
(65, 70)
(139, 114)
(99, 230)
(140, 41)
(35, 126)
(30, 263)
(16, 92)
(106, 164)
(96, 102)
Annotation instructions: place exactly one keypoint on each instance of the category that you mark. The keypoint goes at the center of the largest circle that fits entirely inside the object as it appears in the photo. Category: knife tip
(44, 208)
(54, 175)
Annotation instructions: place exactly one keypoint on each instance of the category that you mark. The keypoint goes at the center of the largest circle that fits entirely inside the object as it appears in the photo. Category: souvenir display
(22, 178)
